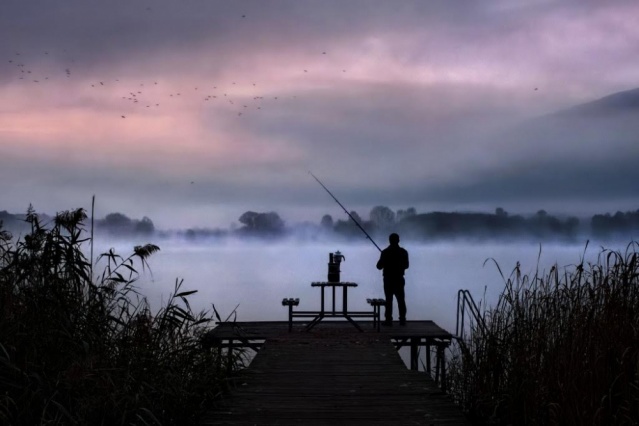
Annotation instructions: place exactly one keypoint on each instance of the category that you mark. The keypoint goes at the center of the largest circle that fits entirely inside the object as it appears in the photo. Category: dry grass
(560, 347)
(78, 350)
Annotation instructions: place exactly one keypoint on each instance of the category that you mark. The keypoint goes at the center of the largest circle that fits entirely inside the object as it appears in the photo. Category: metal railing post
(465, 301)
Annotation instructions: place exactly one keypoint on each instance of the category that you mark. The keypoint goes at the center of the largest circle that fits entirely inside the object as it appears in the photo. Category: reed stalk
(79, 350)
(561, 347)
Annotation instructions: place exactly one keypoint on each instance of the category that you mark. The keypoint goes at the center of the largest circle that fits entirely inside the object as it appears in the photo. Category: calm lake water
(256, 276)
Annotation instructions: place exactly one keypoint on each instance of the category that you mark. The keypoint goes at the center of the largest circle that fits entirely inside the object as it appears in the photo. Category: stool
(376, 304)
(290, 302)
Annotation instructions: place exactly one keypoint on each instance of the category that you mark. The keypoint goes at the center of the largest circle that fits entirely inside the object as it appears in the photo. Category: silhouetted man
(394, 261)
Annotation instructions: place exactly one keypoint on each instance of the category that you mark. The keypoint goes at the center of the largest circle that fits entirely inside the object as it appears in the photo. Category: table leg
(290, 318)
(320, 317)
(333, 299)
(315, 321)
(352, 321)
(345, 300)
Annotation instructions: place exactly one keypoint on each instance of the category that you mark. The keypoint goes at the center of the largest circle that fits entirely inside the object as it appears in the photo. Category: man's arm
(406, 260)
(380, 262)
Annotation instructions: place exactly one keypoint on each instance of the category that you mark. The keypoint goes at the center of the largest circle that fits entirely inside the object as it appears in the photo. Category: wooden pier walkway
(332, 375)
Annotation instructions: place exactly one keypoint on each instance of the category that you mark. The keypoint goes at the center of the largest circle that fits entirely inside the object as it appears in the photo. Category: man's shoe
(387, 323)
(402, 322)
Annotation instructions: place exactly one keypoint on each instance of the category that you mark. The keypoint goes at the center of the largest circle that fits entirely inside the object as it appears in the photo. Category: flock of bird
(149, 95)
(145, 94)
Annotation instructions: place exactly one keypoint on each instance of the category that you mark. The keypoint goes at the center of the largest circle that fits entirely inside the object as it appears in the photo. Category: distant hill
(620, 102)
(592, 132)
(586, 152)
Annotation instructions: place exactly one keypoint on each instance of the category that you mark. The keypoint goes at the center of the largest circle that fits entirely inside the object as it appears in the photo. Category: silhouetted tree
(571, 226)
(619, 224)
(269, 222)
(327, 222)
(382, 217)
(405, 214)
(356, 216)
(145, 226)
(248, 219)
(261, 223)
(348, 228)
(116, 223)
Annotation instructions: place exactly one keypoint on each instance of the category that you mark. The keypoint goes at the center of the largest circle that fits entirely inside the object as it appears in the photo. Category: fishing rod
(344, 208)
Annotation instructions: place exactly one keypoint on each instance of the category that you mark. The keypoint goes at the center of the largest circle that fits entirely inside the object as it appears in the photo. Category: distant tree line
(115, 224)
(498, 225)
(619, 224)
(17, 223)
(501, 225)
(120, 224)
(382, 220)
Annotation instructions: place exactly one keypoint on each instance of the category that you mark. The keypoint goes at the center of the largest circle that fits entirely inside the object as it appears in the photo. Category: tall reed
(560, 347)
(75, 351)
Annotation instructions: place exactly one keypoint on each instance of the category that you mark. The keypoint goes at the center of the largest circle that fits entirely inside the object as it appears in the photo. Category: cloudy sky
(192, 112)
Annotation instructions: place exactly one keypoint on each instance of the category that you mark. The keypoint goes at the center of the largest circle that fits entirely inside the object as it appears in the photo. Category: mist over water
(258, 275)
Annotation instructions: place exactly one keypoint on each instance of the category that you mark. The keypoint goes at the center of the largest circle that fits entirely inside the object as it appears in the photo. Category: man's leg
(388, 308)
(401, 302)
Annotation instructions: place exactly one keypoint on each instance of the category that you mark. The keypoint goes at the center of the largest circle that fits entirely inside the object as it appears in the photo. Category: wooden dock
(335, 375)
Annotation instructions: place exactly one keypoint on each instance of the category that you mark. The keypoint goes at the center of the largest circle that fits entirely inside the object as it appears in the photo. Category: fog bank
(257, 276)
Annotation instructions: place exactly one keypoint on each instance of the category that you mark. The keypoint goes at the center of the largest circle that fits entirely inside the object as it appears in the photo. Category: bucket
(333, 272)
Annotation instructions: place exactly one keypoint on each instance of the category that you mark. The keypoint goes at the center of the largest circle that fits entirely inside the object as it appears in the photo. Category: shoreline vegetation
(558, 348)
(78, 348)
(83, 347)
(381, 221)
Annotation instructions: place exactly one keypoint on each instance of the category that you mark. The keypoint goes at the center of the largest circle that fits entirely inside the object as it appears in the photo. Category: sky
(192, 112)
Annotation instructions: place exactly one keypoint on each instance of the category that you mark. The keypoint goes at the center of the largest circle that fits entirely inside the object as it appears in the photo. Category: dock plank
(333, 377)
